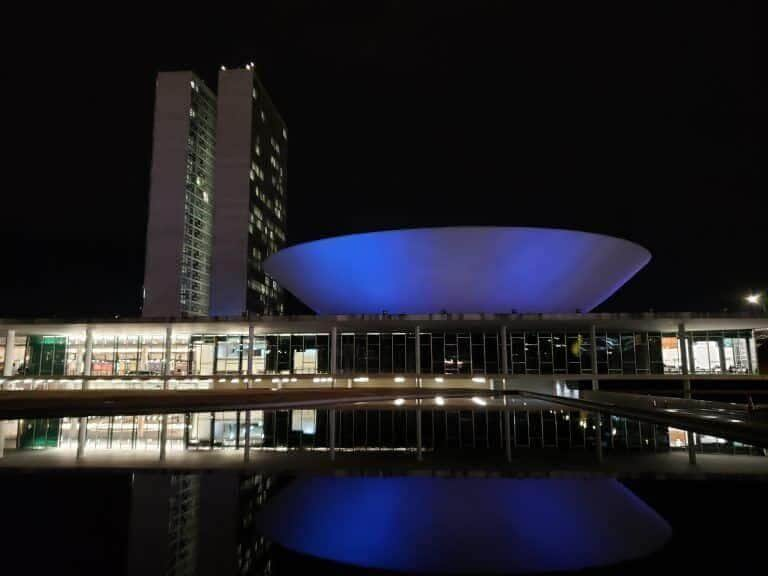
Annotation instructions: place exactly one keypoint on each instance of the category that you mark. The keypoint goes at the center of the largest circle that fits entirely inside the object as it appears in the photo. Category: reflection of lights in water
(706, 439)
(414, 524)
(562, 389)
(576, 346)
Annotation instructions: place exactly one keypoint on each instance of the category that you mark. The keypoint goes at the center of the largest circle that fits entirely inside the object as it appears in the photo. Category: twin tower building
(217, 203)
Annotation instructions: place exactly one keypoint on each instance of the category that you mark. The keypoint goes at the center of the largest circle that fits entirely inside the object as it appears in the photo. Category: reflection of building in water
(229, 501)
(679, 439)
(251, 550)
(173, 514)
(164, 524)
(454, 426)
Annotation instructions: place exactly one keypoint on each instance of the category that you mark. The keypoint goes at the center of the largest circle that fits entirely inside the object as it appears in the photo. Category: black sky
(636, 121)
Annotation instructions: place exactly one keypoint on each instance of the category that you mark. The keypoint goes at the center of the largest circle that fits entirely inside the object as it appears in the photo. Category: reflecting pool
(236, 522)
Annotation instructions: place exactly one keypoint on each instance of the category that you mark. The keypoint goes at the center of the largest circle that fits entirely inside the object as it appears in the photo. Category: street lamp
(756, 299)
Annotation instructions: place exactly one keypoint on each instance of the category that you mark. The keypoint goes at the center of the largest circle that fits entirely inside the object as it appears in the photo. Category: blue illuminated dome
(458, 270)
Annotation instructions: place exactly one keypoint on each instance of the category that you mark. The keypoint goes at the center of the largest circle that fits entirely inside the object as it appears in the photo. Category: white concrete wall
(165, 227)
(234, 150)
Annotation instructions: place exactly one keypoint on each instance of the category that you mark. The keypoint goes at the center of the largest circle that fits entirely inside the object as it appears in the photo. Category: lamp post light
(756, 299)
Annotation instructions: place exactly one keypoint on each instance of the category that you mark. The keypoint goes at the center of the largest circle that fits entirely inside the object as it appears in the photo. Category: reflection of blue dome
(464, 269)
(467, 525)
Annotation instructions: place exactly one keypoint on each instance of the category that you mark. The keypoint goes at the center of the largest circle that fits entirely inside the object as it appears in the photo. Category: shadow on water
(120, 522)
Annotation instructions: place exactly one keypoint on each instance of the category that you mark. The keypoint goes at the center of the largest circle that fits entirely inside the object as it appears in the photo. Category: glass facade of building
(194, 295)
(383, 353)
(268, 201)
(629, 352)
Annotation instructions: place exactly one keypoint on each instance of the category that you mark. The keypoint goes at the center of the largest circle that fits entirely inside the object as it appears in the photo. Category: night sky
(634, 121)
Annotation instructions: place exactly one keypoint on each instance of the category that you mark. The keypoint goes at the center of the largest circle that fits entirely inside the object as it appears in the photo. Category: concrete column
(419, 451)
(593, 353)
(88, 354)
(721, 352)
(332, 411)
(504, 352)
(683, 349)
(504, 372)
(167, 353)
(163, 435)
(596, 386)
(10, 350)
(507, 432)
(166, 373)
(418, 355)
(683, 354)
(143, 355)
(334, 351)
(686, 388)
(81, 437)
(83, 421)
(249, 357)
(690, 437)
(249, 376)
(332, 432)
(752, 355)
(691, 356)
